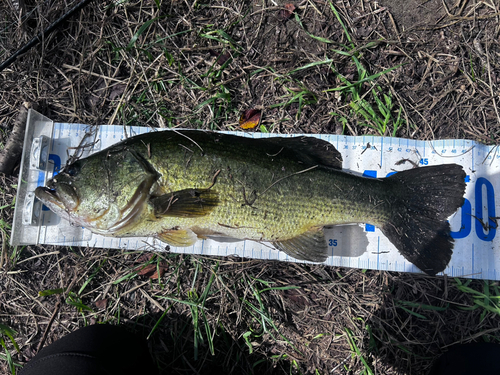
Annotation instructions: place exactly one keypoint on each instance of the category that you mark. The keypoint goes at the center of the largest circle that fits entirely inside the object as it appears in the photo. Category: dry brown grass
(105, 66)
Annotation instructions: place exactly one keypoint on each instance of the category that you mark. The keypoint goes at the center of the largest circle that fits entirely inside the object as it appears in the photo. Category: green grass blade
(204, 295)
(318, 38)
(10, 361)
(397, 124)
(91, 277)
(208, 332)
(10, 333)
(420, 316)
(367, 79)
(168, 37)
(344, 53)
(74, 301)
(189, 303)
(357, 352)
(311, 65)
(51, 292)
(334, 10)
(158, 322)
(139, 32)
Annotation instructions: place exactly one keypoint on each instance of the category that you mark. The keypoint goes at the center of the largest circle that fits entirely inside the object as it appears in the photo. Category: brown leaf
(297, 296)
(102, 303)
(223, 58)
(287, 12)
(151, 270)
(250, 118)
(144, 257)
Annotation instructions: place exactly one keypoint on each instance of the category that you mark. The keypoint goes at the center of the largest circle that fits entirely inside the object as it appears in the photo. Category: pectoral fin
(310, 246)
(178, 237)
(185, 203)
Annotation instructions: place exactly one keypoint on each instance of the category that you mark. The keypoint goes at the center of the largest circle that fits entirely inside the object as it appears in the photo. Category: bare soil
(198, 64)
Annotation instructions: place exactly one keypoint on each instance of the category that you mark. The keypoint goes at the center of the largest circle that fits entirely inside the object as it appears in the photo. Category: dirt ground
(198, 64)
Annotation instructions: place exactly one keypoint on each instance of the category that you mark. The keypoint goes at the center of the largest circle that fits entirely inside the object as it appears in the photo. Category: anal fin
(178, 237)
(310, 246)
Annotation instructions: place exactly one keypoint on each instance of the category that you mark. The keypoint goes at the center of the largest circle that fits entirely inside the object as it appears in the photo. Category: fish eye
(71, 170)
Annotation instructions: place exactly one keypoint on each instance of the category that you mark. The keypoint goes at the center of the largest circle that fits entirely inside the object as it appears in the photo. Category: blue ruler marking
(381, 152)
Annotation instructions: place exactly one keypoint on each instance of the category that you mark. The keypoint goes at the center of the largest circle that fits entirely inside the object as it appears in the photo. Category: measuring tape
(474, 226)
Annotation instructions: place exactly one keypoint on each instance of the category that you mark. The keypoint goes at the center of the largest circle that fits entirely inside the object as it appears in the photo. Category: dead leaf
(116, 91)
(297, 296)
(102, 303)
(223, 58)
(250, 118)
(144, 258)
(287, 12)
(151, 270)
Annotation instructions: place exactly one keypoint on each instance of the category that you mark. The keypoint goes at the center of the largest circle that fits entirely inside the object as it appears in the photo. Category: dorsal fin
(308, 150)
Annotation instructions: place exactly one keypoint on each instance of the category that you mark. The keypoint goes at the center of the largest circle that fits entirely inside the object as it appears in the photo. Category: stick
(47, 329)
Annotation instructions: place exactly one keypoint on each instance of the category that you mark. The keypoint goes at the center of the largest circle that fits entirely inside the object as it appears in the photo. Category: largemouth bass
(184, 185)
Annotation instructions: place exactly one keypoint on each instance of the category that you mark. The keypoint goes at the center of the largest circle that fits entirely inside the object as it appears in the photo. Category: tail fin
(426, 197)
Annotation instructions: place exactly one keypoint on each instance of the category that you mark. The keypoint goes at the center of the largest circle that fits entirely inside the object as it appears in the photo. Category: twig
(49, 325)
(38, 256)
(394, 26)
(214, 180)
(185, 136)
(370, 14)
(66, 66)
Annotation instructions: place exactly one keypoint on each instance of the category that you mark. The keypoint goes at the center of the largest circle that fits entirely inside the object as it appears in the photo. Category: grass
(8, 333)
(379, 116)
(487, 300)
(370, 104)
(198, 314)
(412, 307)
(219, 105)
(298, 94)
(356, 352)
(5, 230)
(260, 313)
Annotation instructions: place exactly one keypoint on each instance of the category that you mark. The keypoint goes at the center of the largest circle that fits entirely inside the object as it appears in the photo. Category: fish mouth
(63, 198)
(47, 195)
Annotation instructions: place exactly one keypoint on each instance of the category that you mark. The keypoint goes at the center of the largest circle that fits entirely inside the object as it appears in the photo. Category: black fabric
(469, 359)
(94, 350)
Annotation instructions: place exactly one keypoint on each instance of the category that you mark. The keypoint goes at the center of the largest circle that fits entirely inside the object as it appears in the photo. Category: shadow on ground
(173, 347)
